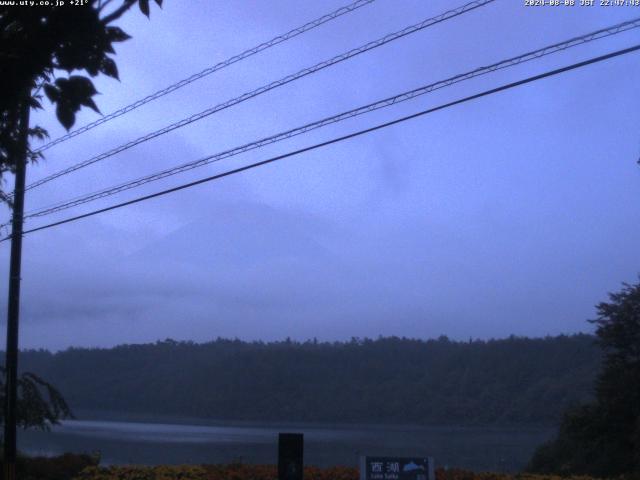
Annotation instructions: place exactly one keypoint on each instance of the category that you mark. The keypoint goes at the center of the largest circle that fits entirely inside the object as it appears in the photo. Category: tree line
(602, 437)
(390, 380)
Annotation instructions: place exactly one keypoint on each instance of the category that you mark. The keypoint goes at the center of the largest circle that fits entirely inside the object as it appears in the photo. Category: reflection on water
(478, 448)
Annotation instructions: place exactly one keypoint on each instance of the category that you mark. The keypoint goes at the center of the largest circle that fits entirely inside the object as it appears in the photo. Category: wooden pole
(13, 313)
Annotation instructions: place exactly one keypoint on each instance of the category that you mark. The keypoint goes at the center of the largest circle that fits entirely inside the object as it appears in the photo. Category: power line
(265, 88)
(208, 71)
(342, 138)
(532, 55)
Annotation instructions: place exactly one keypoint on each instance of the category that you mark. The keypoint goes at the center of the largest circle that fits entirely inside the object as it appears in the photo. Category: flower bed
(84, 467)
(269, 472)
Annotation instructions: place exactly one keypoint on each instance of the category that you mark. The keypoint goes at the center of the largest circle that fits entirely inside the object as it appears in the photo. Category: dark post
(11, 361)
(290, 456)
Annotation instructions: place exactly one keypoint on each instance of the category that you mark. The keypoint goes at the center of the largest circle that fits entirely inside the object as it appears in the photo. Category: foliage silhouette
(40, 405)
(40, 48)
(38, 44)
(603, 438)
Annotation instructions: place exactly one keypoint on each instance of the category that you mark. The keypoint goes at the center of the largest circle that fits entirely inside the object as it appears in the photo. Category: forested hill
(515, 380)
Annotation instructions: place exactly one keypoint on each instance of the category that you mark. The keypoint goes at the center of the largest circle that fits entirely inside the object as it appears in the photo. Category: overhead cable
(342, 138)
(209, 70)
(402, 97)
(265, 88)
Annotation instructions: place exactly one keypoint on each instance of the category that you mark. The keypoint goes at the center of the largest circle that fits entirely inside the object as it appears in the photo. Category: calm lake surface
(479, 448)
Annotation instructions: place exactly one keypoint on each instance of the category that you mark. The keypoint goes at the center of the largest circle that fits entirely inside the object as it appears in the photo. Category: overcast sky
(514, 214)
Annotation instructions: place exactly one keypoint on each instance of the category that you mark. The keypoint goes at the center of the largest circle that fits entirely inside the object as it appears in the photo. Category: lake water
(479, 448)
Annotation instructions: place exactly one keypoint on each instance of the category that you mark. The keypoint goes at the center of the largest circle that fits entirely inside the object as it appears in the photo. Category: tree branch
(102, 5)
(118, 12)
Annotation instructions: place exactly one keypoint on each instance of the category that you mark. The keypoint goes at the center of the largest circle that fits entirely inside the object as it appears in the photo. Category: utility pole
(13, 314)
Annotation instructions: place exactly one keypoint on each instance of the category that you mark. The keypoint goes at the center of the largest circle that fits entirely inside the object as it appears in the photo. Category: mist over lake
(504, 449)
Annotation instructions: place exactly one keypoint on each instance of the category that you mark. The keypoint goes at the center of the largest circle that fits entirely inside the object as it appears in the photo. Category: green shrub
(64, 467)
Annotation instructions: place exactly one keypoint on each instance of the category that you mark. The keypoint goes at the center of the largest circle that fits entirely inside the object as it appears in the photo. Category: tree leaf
(88, 102)
(109, 67)
(61, 83)
(66, 115)
(35, 103)
(52, 93)
(159, 2)
(144, 7)
(38, 132)
(116, 34)
(92, 67)
(82, 86)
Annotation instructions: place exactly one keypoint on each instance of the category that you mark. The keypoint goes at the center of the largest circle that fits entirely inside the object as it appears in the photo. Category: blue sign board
(396, 468)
